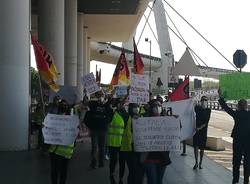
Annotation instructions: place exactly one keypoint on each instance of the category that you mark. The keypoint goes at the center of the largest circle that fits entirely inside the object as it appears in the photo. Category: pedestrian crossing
(223, 158)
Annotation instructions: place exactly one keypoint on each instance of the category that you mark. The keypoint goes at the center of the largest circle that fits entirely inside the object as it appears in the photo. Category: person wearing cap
(97, 119)
(200, 138)
(241, 136)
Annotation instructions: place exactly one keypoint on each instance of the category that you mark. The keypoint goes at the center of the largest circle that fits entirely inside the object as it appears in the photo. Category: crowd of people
(109, 121)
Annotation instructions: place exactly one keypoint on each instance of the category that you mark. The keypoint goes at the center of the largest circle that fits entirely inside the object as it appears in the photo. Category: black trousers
(135, 167)
(98, 139)
(59, 166)
(240, 150)
(114, 154)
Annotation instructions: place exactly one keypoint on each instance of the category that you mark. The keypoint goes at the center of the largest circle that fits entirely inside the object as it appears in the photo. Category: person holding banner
(200, 138)
(155, 162)
(241, 137)
(60, 155)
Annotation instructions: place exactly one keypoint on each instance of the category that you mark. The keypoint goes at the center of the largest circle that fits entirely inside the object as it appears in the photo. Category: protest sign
(60, 129)
(90, 84)
(139, 89)
(185, 110)
(235, 86)
(120, 91)
(156, 134)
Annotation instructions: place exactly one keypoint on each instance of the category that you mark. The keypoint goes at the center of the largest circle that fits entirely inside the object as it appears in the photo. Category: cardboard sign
(139, 89)
(60, 129)
(90, 84)
(235, 86)
(156, 134)
(120, 91)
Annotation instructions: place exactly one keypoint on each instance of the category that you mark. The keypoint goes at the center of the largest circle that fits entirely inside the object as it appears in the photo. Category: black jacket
(241, 129)
(99, 116)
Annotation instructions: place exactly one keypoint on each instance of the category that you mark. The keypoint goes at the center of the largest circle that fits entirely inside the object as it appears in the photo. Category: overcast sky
(223, 22)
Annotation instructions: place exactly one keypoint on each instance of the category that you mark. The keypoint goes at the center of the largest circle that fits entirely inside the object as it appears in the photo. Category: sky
(223, 22)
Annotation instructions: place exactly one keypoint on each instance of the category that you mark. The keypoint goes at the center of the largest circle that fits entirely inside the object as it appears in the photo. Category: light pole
(149, 41)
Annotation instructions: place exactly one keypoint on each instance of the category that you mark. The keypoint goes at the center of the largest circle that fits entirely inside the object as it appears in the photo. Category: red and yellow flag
(138, 64)
(121, 74)
(45, 64)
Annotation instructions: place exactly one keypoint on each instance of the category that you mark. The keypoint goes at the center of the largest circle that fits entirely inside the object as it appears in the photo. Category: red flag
(121, 74)
(138, 64)
(181, 92)
(45, 64)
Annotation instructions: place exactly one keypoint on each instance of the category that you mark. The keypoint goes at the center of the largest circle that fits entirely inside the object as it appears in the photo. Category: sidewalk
(29, 167)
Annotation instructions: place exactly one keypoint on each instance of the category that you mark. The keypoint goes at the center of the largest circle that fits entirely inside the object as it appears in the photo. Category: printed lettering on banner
(139, 89)
(90, 84)
(60, 129)
(156, 134)
(120, 91)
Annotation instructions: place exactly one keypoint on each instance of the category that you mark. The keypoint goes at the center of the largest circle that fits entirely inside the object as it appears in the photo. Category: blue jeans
(155, 173)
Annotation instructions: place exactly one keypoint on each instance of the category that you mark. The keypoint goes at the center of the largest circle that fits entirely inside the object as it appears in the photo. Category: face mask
(204, 104)
(157, 110)
(126, 108)
(135, 110)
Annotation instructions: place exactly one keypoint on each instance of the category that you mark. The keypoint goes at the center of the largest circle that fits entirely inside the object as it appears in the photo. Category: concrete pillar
(51, 31)
(80, 34)
(85, 51)
(88, 55)
(70, 43)
(14, 74)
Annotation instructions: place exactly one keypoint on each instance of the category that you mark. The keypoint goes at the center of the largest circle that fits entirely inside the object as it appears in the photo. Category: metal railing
(216, 106)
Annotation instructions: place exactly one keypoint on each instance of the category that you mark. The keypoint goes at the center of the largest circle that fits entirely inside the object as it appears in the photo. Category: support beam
(14, 74)
(51, 31)
(70, 43)
(165, 47)
(80, 40)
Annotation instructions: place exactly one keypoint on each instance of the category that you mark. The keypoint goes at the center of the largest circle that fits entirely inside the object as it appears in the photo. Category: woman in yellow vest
(135, 168)
(114, 141)
(60, 155)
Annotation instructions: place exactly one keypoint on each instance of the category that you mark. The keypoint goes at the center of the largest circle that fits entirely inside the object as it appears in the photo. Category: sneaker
(106, 157)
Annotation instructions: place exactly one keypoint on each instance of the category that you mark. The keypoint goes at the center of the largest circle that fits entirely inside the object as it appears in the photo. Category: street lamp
(149, 41)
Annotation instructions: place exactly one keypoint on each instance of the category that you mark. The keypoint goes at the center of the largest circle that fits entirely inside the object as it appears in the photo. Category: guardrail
(216, 106)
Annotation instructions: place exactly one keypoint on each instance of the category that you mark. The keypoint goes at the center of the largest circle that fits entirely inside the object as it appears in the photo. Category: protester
(136, 170)
(200, 138)
(241, 137)
(97, 120)
(115, 134)
(156, 162)
(60, 155)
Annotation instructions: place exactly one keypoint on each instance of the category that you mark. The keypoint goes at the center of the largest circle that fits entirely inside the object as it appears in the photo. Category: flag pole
(41, 94)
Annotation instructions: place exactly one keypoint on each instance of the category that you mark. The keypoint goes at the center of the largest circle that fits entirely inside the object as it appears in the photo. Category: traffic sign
(240, 58)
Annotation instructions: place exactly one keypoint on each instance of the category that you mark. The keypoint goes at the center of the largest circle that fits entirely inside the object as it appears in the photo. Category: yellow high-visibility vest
(127, 137)
(64, 151)
(115, 131)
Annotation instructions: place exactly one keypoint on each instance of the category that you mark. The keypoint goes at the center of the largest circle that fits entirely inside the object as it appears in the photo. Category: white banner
(185, 110)
(139, 89)
(90, 84)
(156, 134)
(60, 129)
